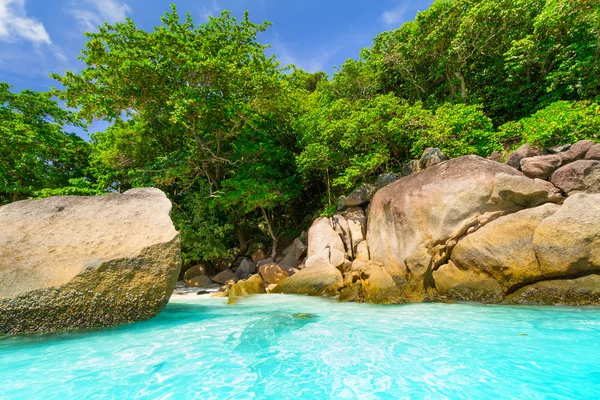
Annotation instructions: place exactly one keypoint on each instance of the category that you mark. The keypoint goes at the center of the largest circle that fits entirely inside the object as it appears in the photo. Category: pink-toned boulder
(541, 167)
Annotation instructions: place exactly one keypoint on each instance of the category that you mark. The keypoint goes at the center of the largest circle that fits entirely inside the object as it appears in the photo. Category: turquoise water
(286, 347)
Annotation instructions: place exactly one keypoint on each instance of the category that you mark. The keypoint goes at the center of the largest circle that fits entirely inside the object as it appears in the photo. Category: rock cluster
(523, 232)
(83, 262)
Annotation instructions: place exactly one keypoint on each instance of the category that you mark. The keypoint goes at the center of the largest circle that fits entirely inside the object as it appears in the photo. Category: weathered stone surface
(321, 235)
(540, 167)
(225, 276)
(361, 195)
(525, 191)
(568, 242)
(337, 258)
(579, 176)
(320, 259)
(458, 284)
(584, 291)
(199, 281)
(299, 249)
(315, 281)
(357, 226)
(254, 285)
(503, 249)
(593, 153)
(362, 251)
(385, 179)
(431, 157)
(273, 273)
(245, 269)
(380, 287)
(577, 151)
(82, 262)
(340, 225)
(432, 207)
(525, 151)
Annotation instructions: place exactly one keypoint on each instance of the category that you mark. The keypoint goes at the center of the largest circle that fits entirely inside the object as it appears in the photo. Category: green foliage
(458, 130)
(561, 122)
(35, 153)
(247, 150)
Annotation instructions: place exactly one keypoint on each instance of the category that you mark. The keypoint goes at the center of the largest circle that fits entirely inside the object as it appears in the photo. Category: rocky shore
(526, 231)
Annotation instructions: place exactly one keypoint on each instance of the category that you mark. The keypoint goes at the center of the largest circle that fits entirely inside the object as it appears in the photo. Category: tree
(191, 105)
(35, 152)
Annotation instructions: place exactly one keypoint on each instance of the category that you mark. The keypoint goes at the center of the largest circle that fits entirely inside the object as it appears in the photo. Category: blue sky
(38, 37)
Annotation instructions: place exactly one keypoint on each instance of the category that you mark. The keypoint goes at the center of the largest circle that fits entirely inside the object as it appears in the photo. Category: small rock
(582, 176)
(245, 269)
(258, 255)
(540, 167)
(361, 195)
(225, 276)
(362, 251)
(431, 156)
(558, 149)
(386, 179)
(336, 258)
(496, 156)
(254, 285)
(265, 262)
(577, 151)
(411, 167)
(593, 153)
(196, 270)
(320, 259)
(273, 273)
(525, 151)
(199, 281)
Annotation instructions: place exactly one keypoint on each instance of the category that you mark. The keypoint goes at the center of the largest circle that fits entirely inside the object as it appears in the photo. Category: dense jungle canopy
(249, 150)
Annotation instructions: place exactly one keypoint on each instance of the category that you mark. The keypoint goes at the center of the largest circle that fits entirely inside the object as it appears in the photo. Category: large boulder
(579, 176)
(323, 280)
(434, 207)
(322, 235)
(84, 262)
(568, 242)
(503, 249)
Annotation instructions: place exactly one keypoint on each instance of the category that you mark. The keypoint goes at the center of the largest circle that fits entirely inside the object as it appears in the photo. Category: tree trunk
(241, 240)
(270, 227)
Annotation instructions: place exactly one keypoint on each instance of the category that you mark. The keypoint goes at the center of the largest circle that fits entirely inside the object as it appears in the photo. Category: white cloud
(98, 12)
(395, 15)
(314, 63)
(15, 25)
(210, 11)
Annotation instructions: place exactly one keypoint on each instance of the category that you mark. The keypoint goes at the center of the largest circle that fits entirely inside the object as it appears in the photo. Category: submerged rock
(313, 281)
(253, 285)
(83, 262)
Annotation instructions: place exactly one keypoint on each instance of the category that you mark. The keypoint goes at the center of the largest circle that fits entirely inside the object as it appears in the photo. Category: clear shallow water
(285, 347)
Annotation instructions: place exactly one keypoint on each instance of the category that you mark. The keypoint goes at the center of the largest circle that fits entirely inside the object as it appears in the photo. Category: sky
(39, 37)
